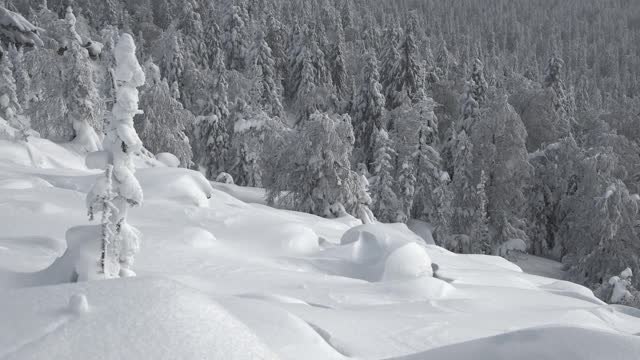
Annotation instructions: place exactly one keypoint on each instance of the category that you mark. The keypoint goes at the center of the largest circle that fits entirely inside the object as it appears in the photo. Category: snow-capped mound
(542, 343)
(185, 186)
(286, 333)
(198, 238)
(23, 183)
(126, 319)
(28, 253)
(408, 261)
(378, 252)
(41, 153)
(168, 159)
(390, 234)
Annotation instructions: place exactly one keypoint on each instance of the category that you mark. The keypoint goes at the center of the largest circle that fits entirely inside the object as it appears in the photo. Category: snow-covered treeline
(507, 125)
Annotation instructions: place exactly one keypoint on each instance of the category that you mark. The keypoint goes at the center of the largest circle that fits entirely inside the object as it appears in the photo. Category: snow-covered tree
(168, 50)
(121, 142)
(338, 65)
(432, 198)
(211, 140)
(498, 138)
(264, 65)
(600, 229)
(386, 206)
(314, 169)
(368, 110)
(479, 84)
(164, 122)
(15, 29)
(21, 76)
(562, 103)
(406, 188)
(463, 186)
(235, 37)
(84, 103)
(9, 105)
(407, 80)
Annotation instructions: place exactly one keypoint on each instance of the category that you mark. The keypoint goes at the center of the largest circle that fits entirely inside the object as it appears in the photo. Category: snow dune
(221, 278)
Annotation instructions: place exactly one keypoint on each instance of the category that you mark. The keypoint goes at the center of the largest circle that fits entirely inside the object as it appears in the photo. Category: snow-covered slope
(221, 278)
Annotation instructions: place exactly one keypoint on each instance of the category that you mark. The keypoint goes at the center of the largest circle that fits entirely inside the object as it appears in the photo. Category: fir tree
(408, 78)
(265, 71)
(386, 206)
(164, 122)
(234, 38)
(368, 109)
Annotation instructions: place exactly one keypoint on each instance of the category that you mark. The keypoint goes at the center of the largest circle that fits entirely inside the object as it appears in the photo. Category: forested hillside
(507, 125)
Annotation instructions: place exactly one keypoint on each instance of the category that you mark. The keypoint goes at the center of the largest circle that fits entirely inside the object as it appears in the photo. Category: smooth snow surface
(223, 276)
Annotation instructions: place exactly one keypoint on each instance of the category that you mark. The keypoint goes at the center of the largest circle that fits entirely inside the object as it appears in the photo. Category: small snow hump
(78, 304)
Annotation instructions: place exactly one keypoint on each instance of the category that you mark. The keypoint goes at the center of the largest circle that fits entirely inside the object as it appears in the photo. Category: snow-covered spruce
(119, 189)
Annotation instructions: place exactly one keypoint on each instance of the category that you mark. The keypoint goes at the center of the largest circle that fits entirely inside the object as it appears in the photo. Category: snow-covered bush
(224, 178)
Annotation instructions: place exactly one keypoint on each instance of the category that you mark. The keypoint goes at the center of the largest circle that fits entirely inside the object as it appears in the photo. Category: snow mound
(572, 289)
(78, 304)
(289, 239)
(40, 153)
(378, 252)
(540, 343)
(225, 178)
(168, 159)
(298, 239)
(511, 245)
(28, 253)
(148, 319)
(23, 183)
(287, 334)
(187, 187)
(408, 261)
(247, 194)
(383, 233)
(198, 238)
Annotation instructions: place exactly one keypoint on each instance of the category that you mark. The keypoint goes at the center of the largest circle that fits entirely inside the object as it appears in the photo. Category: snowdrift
(544, 343)
(126, 319)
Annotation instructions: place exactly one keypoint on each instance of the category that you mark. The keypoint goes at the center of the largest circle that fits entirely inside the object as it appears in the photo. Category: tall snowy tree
(9, 105)
(498, 138)
(268, 86)
(164, 122)
(235, 37)
(211, 140)
(368, 110)
(338, 65)
(314, 169)
(386, 206)
(121, 142)
(84, 104)
(408, 79)
(21, 76)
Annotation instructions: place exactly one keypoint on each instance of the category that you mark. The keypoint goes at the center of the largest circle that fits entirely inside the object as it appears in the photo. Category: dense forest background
(507, 125)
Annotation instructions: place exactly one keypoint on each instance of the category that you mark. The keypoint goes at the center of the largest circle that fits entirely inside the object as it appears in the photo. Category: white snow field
(220, 278)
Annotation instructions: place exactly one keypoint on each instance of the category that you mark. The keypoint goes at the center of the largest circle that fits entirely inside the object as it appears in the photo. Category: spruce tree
(234, 38)
(407, 80)
(386, 206)
(368, 110)
(268, 85)
(164, 123)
